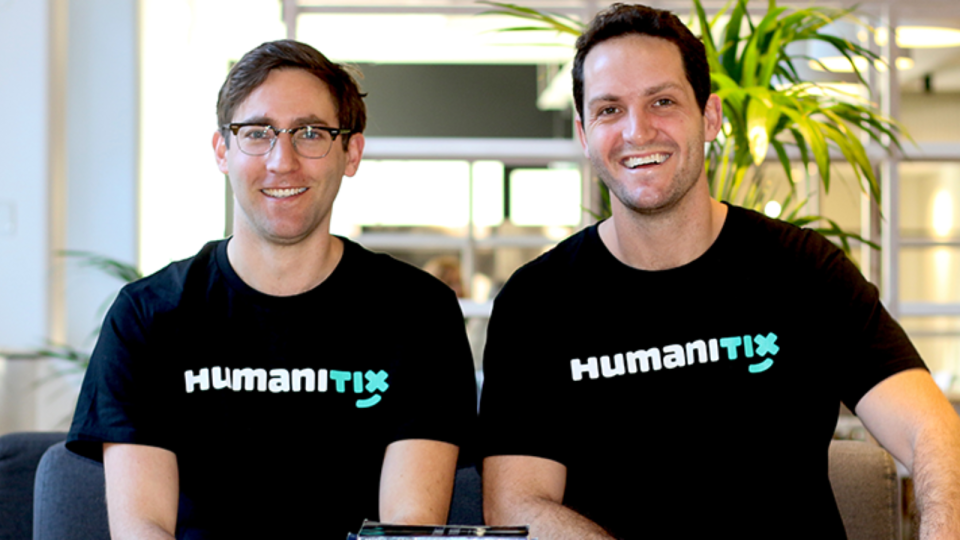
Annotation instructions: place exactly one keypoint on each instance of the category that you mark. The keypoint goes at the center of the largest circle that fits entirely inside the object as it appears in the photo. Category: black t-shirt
(279, 409)
(700, 400)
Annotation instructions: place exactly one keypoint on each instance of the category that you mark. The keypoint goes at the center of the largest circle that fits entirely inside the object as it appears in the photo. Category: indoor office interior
(471, 167)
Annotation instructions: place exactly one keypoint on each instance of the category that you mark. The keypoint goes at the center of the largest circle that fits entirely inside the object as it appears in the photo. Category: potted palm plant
(78, 359)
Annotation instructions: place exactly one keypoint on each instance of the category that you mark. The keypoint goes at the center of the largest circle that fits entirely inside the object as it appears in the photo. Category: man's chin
(647, 204)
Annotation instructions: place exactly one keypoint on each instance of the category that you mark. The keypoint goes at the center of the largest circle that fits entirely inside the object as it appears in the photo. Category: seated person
(284, 382)
(680, 366)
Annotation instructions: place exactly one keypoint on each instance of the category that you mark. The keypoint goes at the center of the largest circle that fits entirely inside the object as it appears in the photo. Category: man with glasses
(284, 382)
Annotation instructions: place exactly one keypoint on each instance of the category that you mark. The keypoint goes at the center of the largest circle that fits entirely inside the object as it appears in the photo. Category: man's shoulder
(163, 290)
(566, 262)
(568, 254)
(755, 231)
(383, 274)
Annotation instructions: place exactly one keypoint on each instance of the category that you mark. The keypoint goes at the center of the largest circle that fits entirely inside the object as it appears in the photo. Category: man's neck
(665, 240)
(284, 270)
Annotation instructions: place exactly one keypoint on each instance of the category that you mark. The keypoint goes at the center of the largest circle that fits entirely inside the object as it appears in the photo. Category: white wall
(102, 151)
(68, 82)
(25, 180)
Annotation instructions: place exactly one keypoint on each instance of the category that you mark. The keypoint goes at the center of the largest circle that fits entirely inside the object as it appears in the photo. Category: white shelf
(928, 309)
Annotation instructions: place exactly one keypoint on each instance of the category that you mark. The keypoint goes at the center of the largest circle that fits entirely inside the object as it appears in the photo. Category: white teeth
(284, 193)
(645, 160)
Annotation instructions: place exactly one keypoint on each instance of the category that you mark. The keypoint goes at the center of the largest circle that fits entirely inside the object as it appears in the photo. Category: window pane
(930, 200)
(545, 197)
(930, 274)
(841, 203)
(181, 191)
(487, 193)
(404, 193)
(938, 341)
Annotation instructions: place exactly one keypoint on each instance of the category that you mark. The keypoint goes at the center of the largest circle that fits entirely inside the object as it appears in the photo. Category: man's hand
(521, 490)
(417, 482)
(143, 490)
(912, 419)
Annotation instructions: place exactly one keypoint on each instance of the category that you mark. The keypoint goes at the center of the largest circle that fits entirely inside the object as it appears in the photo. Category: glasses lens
(255, 140)
(311, 142)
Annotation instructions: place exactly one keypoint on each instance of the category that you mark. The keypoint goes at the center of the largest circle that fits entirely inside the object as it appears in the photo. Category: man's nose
(283, 156)
(640, 127)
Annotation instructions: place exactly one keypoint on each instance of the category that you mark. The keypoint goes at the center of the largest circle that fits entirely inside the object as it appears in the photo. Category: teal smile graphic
(765, 344)
(375, 381)
(758, 345)
(761, 367)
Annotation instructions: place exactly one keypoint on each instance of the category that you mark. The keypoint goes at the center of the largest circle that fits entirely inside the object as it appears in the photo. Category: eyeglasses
(312, 142)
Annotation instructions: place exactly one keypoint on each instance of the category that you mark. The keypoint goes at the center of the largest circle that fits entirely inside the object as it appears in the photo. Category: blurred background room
(471, 164)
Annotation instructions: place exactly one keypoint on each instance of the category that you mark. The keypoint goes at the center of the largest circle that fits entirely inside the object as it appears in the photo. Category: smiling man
(680, 366)
(284, 382)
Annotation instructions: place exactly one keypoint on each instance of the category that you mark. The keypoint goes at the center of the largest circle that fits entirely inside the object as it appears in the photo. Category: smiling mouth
(640, 161)
(283, 193)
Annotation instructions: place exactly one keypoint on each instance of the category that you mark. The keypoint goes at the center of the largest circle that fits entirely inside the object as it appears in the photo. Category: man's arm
(910, 417)
(417, 482)
(527, 490)
(143, 490)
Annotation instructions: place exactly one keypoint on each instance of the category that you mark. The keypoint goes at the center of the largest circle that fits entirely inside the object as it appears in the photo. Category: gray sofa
(20, 455)
(61, 495)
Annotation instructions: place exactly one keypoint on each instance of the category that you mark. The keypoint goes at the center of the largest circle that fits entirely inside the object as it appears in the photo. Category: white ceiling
(943, 65)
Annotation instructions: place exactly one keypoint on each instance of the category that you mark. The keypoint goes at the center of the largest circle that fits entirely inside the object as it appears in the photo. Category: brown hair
(621, 19)
(255, 66)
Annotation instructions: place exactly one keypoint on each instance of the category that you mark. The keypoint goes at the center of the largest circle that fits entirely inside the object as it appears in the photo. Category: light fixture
(840, 64)
(942, 213)
(927, 37)
(905, 63)
(772, 209)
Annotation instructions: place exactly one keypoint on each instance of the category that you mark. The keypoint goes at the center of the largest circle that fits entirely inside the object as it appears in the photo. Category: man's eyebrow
(301, 121)
(661, 87)
(605, 98)
(311, 120)
(257, 120)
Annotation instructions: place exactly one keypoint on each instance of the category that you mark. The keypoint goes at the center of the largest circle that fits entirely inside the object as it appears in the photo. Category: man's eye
(606, 111)
(663, 102)
(257, 134)
(311, 134)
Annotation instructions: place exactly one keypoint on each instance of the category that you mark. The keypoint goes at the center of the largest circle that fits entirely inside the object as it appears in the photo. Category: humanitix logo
(760, 346)
(290, 380)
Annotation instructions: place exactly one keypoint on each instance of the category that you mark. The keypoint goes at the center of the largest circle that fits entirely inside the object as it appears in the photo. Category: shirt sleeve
(435, 381)
(871, 344)
(520, 413)
(114, 406)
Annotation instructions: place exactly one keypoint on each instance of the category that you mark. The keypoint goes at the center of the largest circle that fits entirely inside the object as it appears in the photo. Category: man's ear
(582, 136)
(354, 154)
(712, 118)
(220, 151)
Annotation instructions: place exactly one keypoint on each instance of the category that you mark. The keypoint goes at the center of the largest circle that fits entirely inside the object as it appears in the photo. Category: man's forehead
(656, 60)
(663, 49)
(288, 91)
